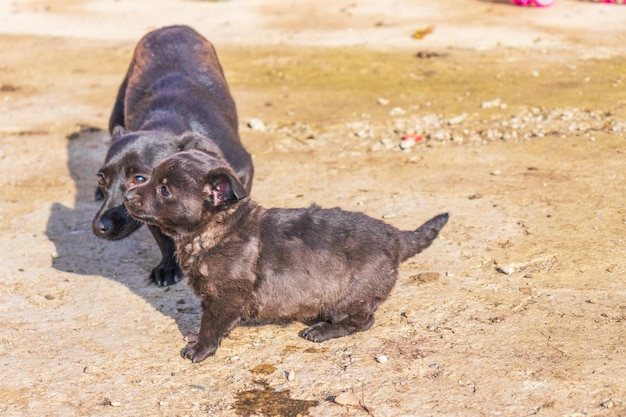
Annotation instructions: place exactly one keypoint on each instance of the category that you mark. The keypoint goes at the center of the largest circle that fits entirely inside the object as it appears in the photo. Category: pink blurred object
(537, 3)
(409, 140)
(546, 3)
(412, 137)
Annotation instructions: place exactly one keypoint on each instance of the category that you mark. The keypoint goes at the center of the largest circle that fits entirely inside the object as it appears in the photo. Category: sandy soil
(518, 309)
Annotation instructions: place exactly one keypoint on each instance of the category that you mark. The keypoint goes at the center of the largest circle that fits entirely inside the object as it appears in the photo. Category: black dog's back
(179, 59)
(161, 53)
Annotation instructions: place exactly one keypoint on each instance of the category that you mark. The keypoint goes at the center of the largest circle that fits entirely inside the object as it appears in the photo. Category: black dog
(174, 97)
(329, 267)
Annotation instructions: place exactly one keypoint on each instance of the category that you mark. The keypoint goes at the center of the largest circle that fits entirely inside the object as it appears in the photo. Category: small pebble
(607, 404)
(290, 375)
(347, 398)
(457, 119)
(441, 135)
(406, 144)
(382, 101)
(115, 404)
(389, 215)
(508, 270)
(257, 124)
(382, 359)
(491, 103)
(496, 172)
(397, 111)
(409, 140)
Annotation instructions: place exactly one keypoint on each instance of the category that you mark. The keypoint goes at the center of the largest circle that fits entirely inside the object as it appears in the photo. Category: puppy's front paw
(166, 273)
(196, 352)
(315, 333)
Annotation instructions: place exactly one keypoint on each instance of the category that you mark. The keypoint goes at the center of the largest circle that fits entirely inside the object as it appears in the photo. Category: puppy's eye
(101, 179)
(164, 191)
(139, 179)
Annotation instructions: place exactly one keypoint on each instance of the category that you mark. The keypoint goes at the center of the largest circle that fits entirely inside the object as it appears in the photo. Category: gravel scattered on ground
(479, 128)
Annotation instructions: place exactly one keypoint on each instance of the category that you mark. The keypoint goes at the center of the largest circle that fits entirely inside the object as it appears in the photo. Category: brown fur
(326, 266)
(174, 96)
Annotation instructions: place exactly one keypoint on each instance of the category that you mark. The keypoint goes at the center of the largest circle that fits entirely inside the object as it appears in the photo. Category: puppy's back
(351, 234)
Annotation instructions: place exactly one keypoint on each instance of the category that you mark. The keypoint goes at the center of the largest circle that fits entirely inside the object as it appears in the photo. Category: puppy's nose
(129, 195)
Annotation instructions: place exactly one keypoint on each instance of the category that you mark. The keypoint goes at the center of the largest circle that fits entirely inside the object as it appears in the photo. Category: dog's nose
(105, 225)
(128, 195)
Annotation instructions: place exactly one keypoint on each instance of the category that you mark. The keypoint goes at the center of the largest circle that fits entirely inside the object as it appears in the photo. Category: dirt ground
(518, 309)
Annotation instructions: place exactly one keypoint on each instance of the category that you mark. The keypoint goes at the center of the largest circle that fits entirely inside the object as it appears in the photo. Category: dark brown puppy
(174, 97)
(329, 267)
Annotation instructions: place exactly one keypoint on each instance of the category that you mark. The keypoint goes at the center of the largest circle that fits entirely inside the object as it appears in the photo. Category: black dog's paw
(166, 273)
(192, 338)
(196, 352)
(316, 333)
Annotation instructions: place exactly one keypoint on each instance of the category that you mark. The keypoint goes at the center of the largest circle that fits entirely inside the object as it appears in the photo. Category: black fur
(174, 97)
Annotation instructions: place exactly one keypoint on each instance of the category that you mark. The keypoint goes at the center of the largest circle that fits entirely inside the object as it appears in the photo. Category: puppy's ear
(189, 141)
(223, 187)
(118, 132)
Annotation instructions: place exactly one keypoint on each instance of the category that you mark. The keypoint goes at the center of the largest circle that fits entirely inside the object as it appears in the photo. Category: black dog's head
(185, 191)
(129, 162)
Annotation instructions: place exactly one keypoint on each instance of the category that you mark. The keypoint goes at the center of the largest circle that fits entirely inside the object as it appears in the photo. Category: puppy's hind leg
(360, 318)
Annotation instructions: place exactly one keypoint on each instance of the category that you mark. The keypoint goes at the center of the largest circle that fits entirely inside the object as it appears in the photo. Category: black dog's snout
(114, 223)
(105, 225)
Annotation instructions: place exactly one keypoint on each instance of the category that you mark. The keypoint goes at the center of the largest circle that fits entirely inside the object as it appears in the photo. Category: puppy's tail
(418, 240)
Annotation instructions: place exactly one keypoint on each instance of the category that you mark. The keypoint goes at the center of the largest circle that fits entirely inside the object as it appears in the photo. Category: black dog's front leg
(218, 320)
(167, 272)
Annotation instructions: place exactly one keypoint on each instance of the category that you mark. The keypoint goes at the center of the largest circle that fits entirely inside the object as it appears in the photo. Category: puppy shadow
(127, 261)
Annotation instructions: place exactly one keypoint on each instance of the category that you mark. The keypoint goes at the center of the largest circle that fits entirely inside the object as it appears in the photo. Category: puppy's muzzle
(129, 196)
(132, 202)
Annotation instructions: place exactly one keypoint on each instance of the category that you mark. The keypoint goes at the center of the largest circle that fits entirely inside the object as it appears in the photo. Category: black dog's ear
(223, 187)
(118, 132)
(189, 141)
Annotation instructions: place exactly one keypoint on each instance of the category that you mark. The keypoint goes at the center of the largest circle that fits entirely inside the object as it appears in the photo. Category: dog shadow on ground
(127, 261)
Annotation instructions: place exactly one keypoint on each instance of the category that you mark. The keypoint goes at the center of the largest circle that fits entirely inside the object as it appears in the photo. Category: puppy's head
(129, 162)
(186, 191)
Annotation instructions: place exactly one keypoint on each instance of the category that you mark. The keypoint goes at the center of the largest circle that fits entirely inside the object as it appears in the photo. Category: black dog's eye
(139, 179)
(101, 179)
(164, 191)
